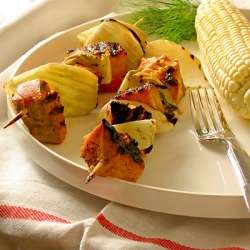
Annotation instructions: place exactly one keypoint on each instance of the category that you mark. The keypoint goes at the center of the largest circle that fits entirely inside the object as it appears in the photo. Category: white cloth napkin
(42, 19)
(38, 211)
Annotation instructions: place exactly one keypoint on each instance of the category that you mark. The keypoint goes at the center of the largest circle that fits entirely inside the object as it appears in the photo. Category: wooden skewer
(93, 172)
(90, 177)
(98, 167)
(16, 118)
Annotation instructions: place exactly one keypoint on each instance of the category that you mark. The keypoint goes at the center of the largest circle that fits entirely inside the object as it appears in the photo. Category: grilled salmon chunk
(118, 112)
(113, 154)
(167, 71)
(152, 95)
(41, 111)
(118, 59)
(148, 93)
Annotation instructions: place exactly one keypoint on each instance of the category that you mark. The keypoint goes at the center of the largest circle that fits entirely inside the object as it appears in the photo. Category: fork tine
(221, 117)
(222, 125)
(200, 111)
(207, 113)
(212, 112)
(196, 113)
(205, 110)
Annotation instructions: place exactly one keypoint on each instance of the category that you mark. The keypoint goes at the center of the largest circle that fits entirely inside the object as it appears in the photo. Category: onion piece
(190, 66)
(131, 38)
(77, 87)
(142, 131)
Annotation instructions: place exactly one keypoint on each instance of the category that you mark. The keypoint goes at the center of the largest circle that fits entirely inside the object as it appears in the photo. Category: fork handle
(240, 161)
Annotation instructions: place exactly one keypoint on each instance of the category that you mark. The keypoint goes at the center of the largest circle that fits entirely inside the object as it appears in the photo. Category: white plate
(181, 176)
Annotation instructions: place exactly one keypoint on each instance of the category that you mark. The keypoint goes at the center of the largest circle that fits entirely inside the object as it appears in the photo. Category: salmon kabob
(41, 111)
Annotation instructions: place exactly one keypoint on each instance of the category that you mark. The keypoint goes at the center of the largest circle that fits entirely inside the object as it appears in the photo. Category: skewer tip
(90, 177)
(15, 119)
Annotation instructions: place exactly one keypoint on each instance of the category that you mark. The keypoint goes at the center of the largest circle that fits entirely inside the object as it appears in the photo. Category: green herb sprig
(172, 20)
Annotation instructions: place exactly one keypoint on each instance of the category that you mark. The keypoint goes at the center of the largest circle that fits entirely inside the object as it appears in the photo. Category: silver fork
(210, 124)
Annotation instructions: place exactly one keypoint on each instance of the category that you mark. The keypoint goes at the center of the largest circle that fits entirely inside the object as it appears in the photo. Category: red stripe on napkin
(16, 212)
(157, 241)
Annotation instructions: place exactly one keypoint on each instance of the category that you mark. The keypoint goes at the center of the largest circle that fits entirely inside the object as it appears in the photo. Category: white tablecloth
(38, 211)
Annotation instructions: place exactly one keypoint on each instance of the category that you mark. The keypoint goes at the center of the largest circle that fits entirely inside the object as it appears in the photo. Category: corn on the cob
(223, 35)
